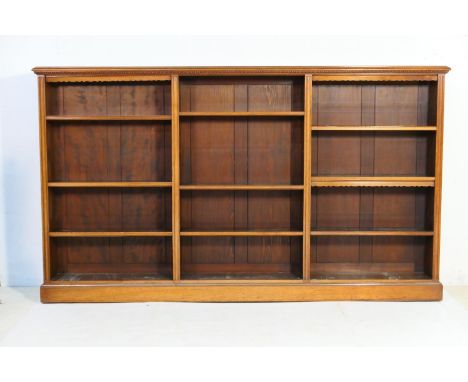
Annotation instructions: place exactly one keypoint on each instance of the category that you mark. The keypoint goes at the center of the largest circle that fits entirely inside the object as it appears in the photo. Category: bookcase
(241, 183)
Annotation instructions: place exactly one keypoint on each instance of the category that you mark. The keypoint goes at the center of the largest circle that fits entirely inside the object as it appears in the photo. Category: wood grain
(108, 234)
(109, 71)
(241, 187)
(109, 184)
(396, 291)
(371, 233)
(242, 114)
(306, 255)
(374, 128)
(438, 177)
(240, 233)
(44, 178)
(109, 118)
(175, 179)
(344, 204)
(347, 181)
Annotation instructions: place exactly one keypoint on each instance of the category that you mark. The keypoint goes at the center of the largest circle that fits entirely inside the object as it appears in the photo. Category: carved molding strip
(228, 70)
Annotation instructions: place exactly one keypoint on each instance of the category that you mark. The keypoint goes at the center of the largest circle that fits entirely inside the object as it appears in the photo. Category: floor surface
(24, 321)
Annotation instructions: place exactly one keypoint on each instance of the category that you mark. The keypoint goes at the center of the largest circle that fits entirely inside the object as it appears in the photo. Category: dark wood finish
(105, 258)
(207, 256)
(109, 118)
(175, 177)
(110, 209)
(109, 99)
(91, 152)
(385, 208)
(241, 183)
(377, 256)
(379, 154)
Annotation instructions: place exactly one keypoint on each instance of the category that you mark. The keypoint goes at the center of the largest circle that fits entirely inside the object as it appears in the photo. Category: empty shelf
(110, 234)
(241, 113)
(109, 118)
(110, 184)
(364, 181)
(374, 128)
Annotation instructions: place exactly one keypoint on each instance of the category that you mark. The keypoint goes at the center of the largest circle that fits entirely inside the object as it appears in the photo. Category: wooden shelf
(109, 118)
(372, 233)
(110, 234)
(241, 233)
(109, 184)
(240, 187)
(284, 276)
(247, 213)
(241, 114)
(368, 276)
(106, 277)
(370, 181)
(374, 128)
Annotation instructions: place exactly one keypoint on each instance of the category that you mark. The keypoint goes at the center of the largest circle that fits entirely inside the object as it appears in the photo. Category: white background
(20, 216)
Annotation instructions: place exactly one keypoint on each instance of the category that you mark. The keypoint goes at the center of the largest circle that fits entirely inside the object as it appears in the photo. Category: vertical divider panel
(44, 176)
(438, 176)
(175, 179)
(307, 177)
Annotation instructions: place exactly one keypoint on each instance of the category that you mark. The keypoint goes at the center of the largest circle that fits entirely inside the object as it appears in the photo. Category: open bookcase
(241, 184)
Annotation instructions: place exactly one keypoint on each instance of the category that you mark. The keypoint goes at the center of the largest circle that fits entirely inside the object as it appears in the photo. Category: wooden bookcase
(241, 183)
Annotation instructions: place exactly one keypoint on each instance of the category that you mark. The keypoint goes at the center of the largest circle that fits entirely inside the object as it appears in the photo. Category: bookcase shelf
(240, 233)
(242, 114)
(109, 234)
(241, 184)
(110, 184)
(364, 181)
(240, 187)
(101, 278)
(372, 233)
(374, 128)
(64, 118)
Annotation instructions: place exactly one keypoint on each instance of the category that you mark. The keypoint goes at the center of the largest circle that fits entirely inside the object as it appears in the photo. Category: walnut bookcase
(241, 183)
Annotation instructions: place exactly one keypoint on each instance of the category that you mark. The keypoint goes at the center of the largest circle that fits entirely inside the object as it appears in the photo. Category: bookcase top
(238, 70)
